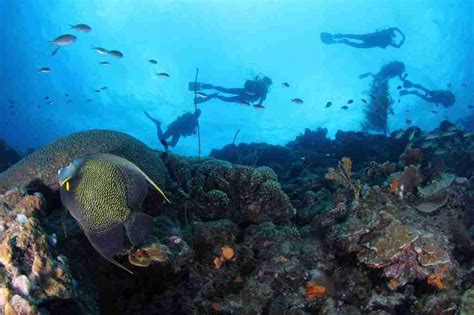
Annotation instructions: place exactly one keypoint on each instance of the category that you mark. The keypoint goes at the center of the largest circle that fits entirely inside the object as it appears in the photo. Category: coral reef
(386, 231)
(42, 165)
(35, 277)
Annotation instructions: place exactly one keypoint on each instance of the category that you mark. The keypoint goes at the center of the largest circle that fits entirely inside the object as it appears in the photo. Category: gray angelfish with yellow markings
(105, 193)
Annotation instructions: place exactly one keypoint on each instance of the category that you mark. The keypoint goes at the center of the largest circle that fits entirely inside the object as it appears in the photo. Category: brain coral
(44, 163)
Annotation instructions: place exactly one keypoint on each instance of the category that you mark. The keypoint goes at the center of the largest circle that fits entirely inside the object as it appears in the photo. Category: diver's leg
(353, 44)
(159, 132)
(423, 96)
(351, 36)
(164, 136)
(205, 99)
(174, 140)
(237, 91)
(229, 99)
(421, 87)
(156, 121)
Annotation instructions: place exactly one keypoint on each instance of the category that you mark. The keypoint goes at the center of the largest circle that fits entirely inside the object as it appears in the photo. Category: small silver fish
(44, 70)
(115, 54)
(104, 88)
(100, 50)
(153, 61)
(84, 28)
(104, 63)
(63, 40)
(163, 74)
(285, 84)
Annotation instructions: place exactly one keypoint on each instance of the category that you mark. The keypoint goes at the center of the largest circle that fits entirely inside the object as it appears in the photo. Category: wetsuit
(381, 39)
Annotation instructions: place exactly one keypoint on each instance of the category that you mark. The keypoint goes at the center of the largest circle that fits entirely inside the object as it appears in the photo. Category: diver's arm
(396, 29)
(365, 75)
(262, 98)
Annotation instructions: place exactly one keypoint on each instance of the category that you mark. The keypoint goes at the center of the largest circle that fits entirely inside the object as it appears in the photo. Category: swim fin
(326, 38)
(198, 86)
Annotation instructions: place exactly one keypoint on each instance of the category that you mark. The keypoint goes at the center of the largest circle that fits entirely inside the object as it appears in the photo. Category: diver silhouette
(388, 71)
(253, 91)
(185, 125)
(438, 97)
(381, 39)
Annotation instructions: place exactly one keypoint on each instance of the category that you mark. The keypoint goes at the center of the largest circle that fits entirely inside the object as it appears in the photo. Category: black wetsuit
(388, 71)
(184, 125)
(253, 91)
(438, 97)
(382, 39)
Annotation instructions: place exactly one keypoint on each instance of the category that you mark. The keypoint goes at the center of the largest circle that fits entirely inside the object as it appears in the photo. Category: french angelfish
(105, 193)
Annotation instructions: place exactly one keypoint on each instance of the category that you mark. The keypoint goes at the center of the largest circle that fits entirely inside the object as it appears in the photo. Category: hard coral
(314, 290)
(412, 156)
(435, 280)
(43, 164)
(36, 273)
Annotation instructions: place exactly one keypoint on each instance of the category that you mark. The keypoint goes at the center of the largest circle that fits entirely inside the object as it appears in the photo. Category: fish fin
(148, 179)
(138, 226)
(157, 188)
(64, 214)
(108, 243)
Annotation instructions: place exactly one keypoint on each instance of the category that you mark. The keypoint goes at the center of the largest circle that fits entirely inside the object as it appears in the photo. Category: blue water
(230, 42)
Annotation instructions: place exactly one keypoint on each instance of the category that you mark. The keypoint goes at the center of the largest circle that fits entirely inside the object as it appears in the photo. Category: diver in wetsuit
(253, 91)
(388, 71)
(443, 97)
(382, 39)
(185, 125)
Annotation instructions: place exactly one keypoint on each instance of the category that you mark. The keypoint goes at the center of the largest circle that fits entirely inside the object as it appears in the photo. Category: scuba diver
(388, 71)
(382, 39)
(443, 97)
(185, 125)
(253, 91)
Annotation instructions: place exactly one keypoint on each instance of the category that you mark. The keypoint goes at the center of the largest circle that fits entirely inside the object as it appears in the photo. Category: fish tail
(72, 26)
